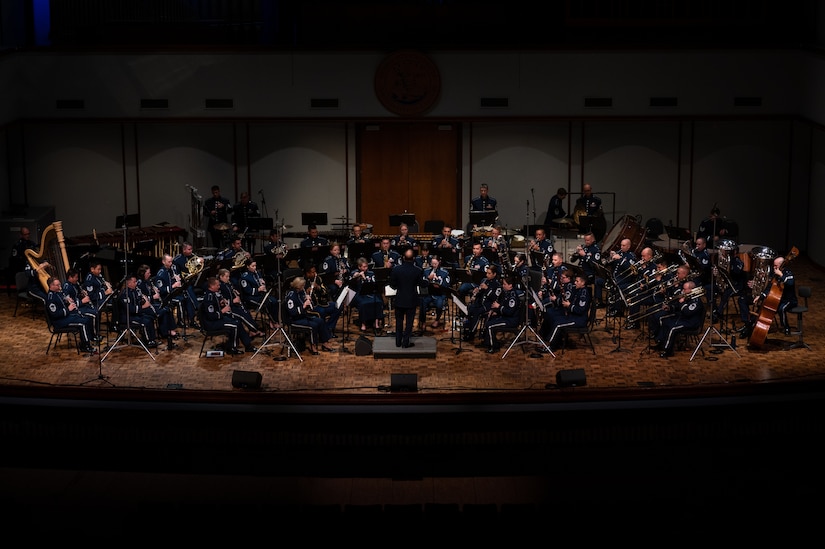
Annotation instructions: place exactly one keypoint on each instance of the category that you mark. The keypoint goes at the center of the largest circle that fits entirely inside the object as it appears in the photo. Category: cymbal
(221, 227)
(564, 221)
(510, 232)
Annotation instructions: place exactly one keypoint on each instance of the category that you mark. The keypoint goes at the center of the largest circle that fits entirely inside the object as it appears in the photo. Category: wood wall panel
(407, 166)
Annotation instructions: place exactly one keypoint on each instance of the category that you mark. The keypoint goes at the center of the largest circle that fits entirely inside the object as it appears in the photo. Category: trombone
(695, 292)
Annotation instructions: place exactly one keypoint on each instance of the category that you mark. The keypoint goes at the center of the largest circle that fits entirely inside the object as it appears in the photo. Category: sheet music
(537, 300)
(345, 297)
(460, 304)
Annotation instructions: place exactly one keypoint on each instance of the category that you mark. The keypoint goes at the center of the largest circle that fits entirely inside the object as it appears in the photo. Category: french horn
(194, 265)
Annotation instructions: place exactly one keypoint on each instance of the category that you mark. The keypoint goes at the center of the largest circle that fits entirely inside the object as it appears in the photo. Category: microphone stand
(532, 192)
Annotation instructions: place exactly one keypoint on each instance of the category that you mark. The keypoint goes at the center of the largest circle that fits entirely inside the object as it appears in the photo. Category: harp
(52, 250)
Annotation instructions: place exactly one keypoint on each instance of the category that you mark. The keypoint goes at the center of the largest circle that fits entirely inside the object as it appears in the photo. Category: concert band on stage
(480, 283)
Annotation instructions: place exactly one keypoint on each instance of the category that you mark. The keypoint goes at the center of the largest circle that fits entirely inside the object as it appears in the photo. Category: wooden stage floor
(622, 362)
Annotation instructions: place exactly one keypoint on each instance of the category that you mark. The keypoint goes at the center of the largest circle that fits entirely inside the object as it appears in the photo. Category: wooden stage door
(412, 167)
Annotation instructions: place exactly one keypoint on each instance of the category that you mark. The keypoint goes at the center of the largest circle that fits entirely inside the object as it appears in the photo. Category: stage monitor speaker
(246, 380)
(571, 378)
(407, 383)
(363, 346)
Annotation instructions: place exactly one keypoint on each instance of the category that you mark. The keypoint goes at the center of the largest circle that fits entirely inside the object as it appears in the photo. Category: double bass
(770, 304)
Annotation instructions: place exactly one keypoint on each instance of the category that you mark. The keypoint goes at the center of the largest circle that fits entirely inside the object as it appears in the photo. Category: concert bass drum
(626, 227)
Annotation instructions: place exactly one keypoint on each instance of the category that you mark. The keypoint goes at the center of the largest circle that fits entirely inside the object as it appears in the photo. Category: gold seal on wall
(407, 83)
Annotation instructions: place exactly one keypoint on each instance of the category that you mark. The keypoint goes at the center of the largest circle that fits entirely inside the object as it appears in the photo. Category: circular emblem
(407, 83)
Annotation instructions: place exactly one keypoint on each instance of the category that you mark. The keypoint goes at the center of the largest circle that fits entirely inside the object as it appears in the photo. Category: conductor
(405, 279)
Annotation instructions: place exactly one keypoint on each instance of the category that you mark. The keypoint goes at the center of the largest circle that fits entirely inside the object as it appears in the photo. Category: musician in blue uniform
(322, 301)
(667, 291)
(385, 257)
(169, 283)
(505, 313)
(217, 208)
(483, 297)
(135, 311)
(300, 311)
(255, 295)
(403, 240)
(551, 283)
(63, 313)
(369, 303)
(541, 244)
(553, 299)
(446, 245)
(555, 209)
(163, 315)
(590, 203)
(476, 262)
(189, 298)
(689, 314)
(277, 247)
(422, 260)
(783, 277)
(588, 256)
(311, 244)
(73, 290)
(97, 288)
(702, 255)
(215, 314)
(483, 202)
(576, 309)
(496, 243)
(712, 228)
(237, 309)
(622, 262)
(438, 280)
(335, 263)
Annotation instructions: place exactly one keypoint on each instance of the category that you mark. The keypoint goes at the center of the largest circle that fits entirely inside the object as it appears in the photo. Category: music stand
(711, 304)
(359, 249)
(481, 218)
(314, 218)
(539, 340)
(382, 277)
(405, 218)
(312, 256)
(126, 221)
(448, 256)
(462, 313)
(127, 330)
(256, 225)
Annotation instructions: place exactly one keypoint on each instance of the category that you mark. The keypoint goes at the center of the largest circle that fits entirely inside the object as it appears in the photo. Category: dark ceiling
(432, 24)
